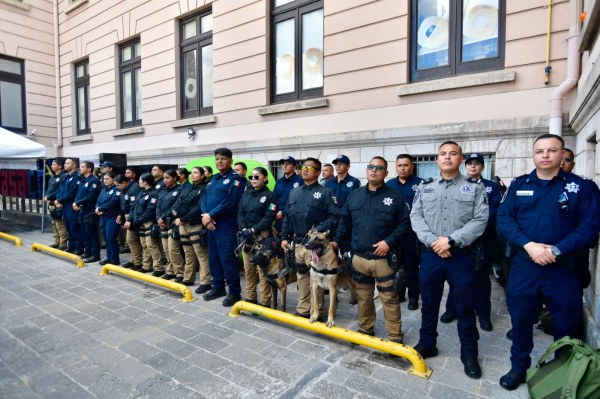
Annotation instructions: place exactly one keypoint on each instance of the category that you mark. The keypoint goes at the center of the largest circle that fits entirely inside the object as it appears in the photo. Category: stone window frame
(82, 81)
(131, 65)
(20, 80)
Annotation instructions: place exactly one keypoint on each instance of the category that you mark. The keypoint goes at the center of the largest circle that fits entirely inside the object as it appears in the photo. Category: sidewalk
(71, 333)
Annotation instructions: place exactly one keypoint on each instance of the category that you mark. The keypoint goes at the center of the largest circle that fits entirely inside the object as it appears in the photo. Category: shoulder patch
(472, 180)
(427, 181)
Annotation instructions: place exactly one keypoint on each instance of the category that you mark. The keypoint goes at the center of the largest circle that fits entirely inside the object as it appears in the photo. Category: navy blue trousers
(483, 292)
(458, 270)
(74, 228)
(410, 261)
(528, 285)
(110, 229)
(222, 261)
(90, 238)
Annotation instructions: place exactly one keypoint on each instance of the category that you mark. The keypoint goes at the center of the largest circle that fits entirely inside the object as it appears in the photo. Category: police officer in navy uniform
(474, 165)
(64, 200)
(219, 215)
(449, 214)
(85, 204)
(374, 220)
(171, 244)
(547, 216)
(284, 185)
(407, 184)
(60, 231)
(342, 184)
(309, 205)
(131, 193)
(108, 207)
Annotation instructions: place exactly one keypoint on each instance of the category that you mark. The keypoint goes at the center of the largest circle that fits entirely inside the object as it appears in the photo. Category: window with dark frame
(196, 65)
(12, 94)
(296, 50)
(455, 37)
(82, 97)
(130, 70)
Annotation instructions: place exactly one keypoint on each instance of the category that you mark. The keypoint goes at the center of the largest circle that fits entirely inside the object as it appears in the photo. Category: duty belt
(369, 255)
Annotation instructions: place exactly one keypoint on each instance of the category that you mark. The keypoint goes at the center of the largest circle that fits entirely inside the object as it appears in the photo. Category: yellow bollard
(418, 368)
(63, 254)
(183, 289)
(12, 238)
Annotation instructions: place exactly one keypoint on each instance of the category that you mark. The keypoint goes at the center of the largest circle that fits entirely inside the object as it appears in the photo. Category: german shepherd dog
(324, 263)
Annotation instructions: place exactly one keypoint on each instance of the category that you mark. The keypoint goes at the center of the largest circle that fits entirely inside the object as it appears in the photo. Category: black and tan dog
(324, 264)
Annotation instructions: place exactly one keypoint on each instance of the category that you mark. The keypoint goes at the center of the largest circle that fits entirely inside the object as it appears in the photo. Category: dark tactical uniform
(256, 213)
(60, 231)
(370, 217)
(489, 248)
(109, 202)
(66, 196)
(456, 209)
(220, 201)
(282, 190)
(87, 195)
(342, 189)
(308, 206)
(409, 255)
(142, 217)
(128, 199)
(192, 233)
(562, 212)
(166, 199)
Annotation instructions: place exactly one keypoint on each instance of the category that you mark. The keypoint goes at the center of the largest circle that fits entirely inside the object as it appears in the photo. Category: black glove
(246, 234)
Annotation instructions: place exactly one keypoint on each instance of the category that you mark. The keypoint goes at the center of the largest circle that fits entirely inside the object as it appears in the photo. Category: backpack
(573, 373)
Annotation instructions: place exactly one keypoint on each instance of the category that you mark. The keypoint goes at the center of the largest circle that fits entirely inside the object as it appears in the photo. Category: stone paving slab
(71, 333)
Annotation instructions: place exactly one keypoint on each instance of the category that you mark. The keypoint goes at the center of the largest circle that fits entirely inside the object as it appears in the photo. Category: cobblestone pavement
(71, 333)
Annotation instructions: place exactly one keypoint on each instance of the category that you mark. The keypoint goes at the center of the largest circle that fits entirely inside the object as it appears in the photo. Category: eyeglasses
(563, 201)
(254, 177)
(568, 159)
(377, 168)
(308, 168)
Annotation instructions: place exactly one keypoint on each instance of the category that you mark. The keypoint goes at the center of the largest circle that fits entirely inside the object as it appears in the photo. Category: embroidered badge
(157, 186)
(126, 196)
(273, 207)
(335, 200)
(466, 189)
(94, 185)
(488, 190)
(387, 201)
(317, 195)
(57, 179)
(236, 183)
(174, 193)
(119, 193)
(572, 187)
(226, 181)
(111, 191)
(262, 199)
(350, 184)
(295, 184)
(414, 187)
(146, 197)
(132, 198)
(153, 201)
(86, 184)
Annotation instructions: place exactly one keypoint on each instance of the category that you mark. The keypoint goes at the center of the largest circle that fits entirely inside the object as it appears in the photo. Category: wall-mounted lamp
(33, 132)
(191, 134)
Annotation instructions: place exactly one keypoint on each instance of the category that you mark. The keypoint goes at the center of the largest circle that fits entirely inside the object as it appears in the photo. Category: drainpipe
(548, 33)
(573, 60)
(59, 143)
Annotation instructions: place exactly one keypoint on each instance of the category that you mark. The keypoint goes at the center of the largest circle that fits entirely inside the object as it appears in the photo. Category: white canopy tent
(15, 146)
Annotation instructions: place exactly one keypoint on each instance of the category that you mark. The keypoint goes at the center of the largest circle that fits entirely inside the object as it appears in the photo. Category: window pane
(282, 2)
(206, 23)
(207, 76)
(137, 47)
(190, 82)
(11, 105)
(126, 53)
(312, 50)
(189, 29)
(138, 94)
(126, 97)
(88, 109)
(284, 53)
(480, 30)
(432, 33)
(80, 70)
(10, 66)
(81, 108)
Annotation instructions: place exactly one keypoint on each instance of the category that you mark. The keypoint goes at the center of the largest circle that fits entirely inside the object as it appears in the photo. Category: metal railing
(63, 254)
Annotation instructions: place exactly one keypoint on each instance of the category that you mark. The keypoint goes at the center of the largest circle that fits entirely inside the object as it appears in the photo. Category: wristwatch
(555, 251)
(451, 241)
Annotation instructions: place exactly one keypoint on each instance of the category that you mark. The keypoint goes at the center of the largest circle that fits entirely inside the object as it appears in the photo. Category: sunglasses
(377, 168)
(254, 177)
(308, 167)
(568, 159)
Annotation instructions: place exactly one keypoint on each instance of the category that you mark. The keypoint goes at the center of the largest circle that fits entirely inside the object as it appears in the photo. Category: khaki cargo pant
(255, 274)
(135, 245)
(151, 256)
(194, 253)
(60, 233)
(173, 252)
(303, 306)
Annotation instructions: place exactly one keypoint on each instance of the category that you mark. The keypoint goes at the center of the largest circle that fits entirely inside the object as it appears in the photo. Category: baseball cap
(107, 164)
(475, 157)
(289, 159)
(342, 159)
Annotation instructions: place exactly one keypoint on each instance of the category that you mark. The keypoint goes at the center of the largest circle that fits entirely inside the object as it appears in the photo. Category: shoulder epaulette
(472, 180)
(427, 181)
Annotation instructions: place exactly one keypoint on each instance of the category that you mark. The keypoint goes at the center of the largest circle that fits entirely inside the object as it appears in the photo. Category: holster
(393, 260)
(155, 231)
(175, 232)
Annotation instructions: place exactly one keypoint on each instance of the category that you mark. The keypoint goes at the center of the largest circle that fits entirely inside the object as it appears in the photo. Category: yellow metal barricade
(183, 289)
(418, 368)
(12, 238)
(63, 254)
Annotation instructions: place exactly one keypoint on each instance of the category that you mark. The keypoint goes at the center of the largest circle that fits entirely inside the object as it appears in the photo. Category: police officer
(449, 214)
(375, 218)
(58, 225)
(219, 216)
(64, 200)
(309, 205)
(474, 164)
(242, 169)
(256, 214)
(131, 193)
(170, 242)
(141, 218)
(283, 187)
(85, 204)
(108, 208)
(342, 184)
(407, 184)
(192, 233)
(326, 174)
(547, 216)
(157, 172)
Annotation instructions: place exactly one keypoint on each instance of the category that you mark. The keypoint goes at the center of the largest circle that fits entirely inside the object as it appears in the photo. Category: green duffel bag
(573, 373)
